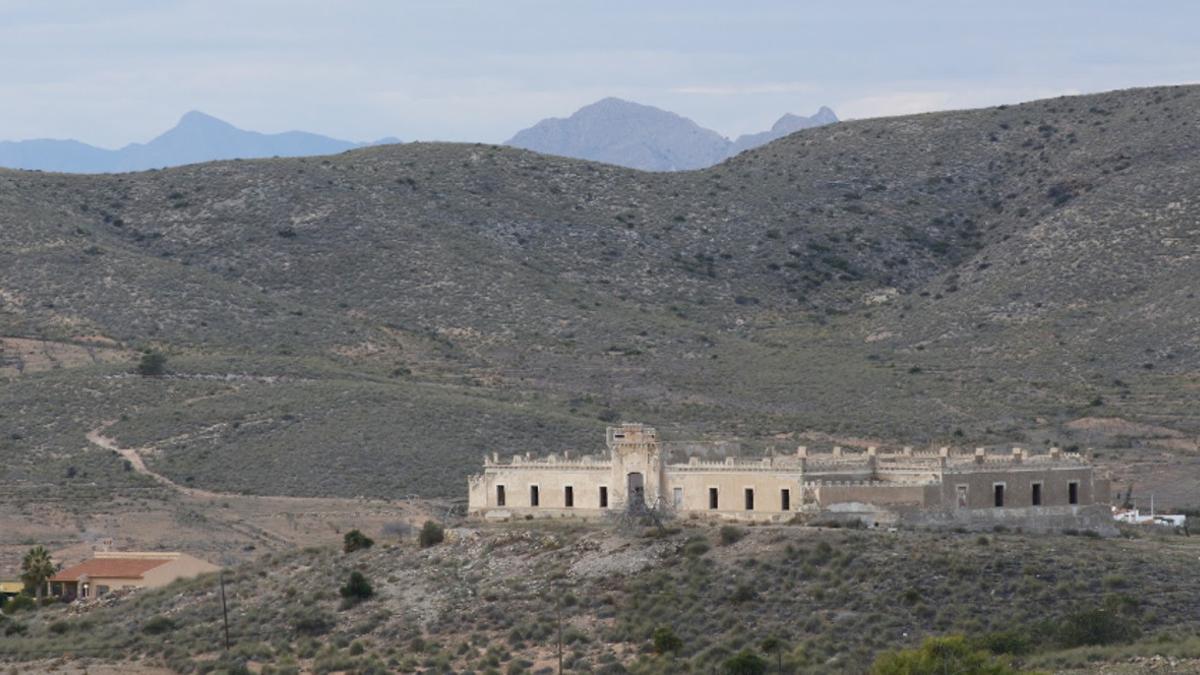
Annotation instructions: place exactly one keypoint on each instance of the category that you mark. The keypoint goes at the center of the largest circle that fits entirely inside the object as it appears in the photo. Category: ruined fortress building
(1051, 491)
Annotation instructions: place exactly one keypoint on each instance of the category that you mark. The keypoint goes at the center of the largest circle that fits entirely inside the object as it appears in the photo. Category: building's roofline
(112, 567)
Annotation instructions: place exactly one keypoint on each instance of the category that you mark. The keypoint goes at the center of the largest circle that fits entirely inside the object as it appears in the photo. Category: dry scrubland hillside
(485, 602)
(371, 322)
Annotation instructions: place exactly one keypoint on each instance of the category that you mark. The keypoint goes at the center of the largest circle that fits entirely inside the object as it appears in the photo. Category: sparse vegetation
(152, 364)
(355, 540)
(431, 534)
(939, 655)
(356, 590)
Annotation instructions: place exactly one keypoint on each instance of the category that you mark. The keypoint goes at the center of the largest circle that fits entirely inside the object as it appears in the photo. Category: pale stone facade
(1052, 490)
(110, 571)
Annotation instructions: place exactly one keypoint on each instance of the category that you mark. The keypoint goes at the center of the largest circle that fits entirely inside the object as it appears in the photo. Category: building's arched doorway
(636, 489)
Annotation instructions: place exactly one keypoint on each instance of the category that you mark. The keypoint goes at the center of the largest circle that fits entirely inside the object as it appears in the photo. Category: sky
(116, 71)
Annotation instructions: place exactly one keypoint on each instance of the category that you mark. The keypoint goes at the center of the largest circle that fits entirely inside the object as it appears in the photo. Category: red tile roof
(111, 568)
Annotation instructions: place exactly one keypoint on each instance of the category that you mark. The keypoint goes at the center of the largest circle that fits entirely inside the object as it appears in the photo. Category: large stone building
(1055, 490)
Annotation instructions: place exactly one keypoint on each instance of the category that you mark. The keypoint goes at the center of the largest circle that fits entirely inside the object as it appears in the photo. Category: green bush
(695, 547)
(312, 622)
(158, 625)
(665, 640)
(431, 534)
(745, 662)
(355, 540)
(152, 364)
(357, 589)
(1014, 642)
(18, 603)
(1096, 626)
(939, 655)
(731, 534)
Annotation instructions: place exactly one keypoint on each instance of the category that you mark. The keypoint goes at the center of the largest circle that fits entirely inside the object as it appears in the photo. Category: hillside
(638, 136)
(372, 322)
(489, 600)
(196, 138)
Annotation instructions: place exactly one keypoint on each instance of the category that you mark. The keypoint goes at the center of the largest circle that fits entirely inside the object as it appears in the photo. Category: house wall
(183, 567)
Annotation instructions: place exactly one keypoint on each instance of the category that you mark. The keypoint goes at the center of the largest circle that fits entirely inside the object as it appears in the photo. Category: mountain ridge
(969, 278)
(196, 137)
(616, 131)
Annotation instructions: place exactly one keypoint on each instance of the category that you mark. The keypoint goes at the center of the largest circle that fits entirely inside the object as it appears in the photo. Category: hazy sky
(114, 71)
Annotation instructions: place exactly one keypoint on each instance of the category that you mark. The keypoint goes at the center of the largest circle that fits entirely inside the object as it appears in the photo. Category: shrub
(1013, 642)
(745, 662)
(152, 364)
(312, 622)
(431, 534)
(743, 593)
(665, 640)
(18, 603)
(695, 547)
(731, 534)
(1096, 626)
(937, 655)
(158, 625)
(357, 589)
(355, 540)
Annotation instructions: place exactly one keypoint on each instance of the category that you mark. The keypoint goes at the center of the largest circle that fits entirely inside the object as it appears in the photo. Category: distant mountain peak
(640, 136)
(196, 137)
(196, 118)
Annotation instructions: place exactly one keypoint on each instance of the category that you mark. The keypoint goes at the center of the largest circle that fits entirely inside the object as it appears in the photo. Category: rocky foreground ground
(490, 599)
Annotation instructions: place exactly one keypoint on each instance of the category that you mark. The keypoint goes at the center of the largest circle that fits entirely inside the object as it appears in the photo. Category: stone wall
(926, 488)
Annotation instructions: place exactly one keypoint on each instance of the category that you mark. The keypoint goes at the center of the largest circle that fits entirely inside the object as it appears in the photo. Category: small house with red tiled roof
(113, 570)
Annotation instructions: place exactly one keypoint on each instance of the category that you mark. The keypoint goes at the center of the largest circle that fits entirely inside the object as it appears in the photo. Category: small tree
(356, 590)
(355, 540)
(745, 662)
(152, 364)
(431, 534)
(36, 568)
(666, 641)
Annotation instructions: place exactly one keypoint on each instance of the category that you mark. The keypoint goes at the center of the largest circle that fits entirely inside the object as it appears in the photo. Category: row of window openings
(1035, 496)
(785, 497)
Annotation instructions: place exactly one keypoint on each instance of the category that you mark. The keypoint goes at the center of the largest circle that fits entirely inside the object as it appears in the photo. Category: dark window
(499, 495)
(604, 497)
(1073, 492)
(1037, 494)
(569, 497)
(712, 498)
(785, 500)
(533, 495)
(749, 499)
(999, 492)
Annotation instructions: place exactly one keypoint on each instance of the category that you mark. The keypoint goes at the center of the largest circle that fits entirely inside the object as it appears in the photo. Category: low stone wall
(1049, 519)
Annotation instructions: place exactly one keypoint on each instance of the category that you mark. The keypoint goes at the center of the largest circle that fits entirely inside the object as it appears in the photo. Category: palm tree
(36, 568)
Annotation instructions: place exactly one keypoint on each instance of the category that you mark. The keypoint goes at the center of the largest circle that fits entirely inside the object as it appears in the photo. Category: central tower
(637, 464)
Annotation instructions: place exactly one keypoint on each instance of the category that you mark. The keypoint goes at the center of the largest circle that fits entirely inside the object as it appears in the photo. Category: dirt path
(134, 457)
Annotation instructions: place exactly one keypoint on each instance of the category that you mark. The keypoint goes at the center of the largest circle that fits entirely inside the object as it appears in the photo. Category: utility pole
(558, 613)
(224, 610)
